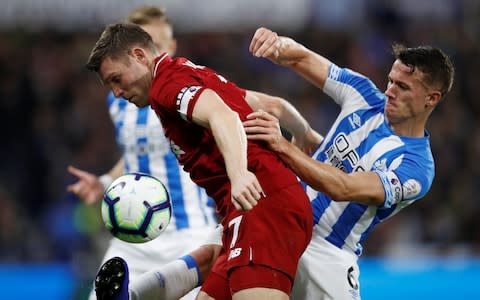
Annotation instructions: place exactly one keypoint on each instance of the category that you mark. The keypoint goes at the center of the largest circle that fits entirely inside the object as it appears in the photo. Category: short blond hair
(147, 14)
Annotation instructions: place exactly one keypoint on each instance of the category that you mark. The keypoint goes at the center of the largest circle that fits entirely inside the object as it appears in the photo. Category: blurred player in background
(374, 161)
(266, 215)
(145, 149)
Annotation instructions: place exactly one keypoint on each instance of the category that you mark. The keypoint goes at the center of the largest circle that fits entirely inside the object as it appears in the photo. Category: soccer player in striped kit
(145, 149)
(374, 161)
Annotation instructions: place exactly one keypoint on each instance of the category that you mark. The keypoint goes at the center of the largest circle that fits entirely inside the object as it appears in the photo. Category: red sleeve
(176, 89)
(179, 83)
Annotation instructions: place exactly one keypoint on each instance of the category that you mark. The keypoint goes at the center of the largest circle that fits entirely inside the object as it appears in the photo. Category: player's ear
(139, 54)
(433, 98)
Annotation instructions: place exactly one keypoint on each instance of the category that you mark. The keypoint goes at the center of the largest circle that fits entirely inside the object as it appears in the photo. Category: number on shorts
(236, 225)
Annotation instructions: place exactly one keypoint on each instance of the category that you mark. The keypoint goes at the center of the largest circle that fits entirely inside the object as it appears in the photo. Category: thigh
(216, 284)
(259, 281)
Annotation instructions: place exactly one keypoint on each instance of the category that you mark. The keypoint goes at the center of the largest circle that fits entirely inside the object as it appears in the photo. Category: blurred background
(53, 113)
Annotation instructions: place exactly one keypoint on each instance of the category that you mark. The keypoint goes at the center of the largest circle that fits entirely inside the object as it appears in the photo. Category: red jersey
(176, 86)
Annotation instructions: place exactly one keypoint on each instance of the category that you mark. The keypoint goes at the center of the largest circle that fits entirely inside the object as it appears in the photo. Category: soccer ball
(136, 208)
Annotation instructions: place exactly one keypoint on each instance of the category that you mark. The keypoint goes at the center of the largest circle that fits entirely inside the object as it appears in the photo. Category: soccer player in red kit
(266, 215)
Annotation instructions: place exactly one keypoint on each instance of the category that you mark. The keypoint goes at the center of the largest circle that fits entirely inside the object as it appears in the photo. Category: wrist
(283, 147)
(105, 180)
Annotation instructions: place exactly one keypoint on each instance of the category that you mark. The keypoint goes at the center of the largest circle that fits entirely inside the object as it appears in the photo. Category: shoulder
(347, 86)
(416, 172)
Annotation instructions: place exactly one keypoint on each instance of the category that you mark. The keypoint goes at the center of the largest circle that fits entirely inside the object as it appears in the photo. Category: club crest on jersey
(381, 165)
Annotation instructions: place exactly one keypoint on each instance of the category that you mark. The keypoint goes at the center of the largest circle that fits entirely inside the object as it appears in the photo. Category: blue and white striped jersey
(361, 140)
(145, 149)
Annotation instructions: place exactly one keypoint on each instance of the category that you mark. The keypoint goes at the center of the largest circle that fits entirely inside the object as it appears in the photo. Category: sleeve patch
(392, 187)
(334, 72)
(411, 189)
(183, 99)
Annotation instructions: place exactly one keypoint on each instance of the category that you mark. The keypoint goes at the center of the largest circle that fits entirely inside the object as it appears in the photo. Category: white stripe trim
(158, 63)
(381, 147)
(330, 217)
(355, 102)
(360, 134)
(362, 224)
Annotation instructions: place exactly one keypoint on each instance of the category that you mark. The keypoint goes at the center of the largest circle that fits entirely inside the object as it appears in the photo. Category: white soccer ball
(136, 208)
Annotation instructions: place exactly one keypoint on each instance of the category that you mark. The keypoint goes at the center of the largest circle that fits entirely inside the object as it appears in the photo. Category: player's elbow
(260, 101)
(223, 117)
(274, 106)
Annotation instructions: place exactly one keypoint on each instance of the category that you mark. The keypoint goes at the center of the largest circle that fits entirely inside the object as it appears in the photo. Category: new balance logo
(176, 149)
(234, 253)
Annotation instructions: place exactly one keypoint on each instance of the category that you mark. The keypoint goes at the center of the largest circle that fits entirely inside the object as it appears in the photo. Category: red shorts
(246, 277)
(270, 238)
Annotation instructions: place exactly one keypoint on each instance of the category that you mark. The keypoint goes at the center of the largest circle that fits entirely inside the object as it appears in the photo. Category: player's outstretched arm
(363, 187)
(210, 111)
(287, 52)
(303, 135)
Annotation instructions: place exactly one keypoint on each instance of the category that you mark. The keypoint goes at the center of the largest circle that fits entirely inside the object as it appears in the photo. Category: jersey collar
(158, 60)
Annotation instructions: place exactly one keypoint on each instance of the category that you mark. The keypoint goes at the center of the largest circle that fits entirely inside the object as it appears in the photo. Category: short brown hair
(147, 14)
(433, 62)
(115, 41)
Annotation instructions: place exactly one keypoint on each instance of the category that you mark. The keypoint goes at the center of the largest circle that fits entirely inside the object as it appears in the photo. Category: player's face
(406, 92)
(162, 36)
(128, 77)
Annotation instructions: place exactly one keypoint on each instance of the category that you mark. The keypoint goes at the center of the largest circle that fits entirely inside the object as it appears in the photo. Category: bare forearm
(287, 52)
(231, 141)
(305, 62)
(361, 187)
(286, 113)
(317, 175)
(211, 112)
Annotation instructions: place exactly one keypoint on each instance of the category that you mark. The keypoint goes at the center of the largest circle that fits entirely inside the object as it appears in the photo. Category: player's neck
(409, 127)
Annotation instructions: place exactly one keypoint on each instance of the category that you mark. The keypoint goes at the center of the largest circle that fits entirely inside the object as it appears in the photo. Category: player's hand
(246, 190)
(281, 50)
(262, 126)
(266, 43)
(88, 187)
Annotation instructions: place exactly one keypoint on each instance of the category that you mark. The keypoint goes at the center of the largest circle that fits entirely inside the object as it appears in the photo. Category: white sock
(169, 282)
